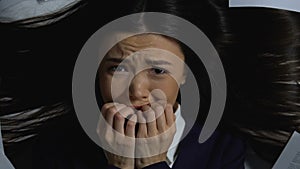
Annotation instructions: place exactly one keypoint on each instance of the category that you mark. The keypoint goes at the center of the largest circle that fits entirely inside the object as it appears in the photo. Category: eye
(158, 71)
(118, 68)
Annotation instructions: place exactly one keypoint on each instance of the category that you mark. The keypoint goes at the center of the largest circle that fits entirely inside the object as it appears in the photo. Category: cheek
(172, 94)
(112, 88)
(170, 89)
(105, 88)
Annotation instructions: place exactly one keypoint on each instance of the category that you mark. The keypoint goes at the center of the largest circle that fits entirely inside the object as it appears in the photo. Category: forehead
(139, 42)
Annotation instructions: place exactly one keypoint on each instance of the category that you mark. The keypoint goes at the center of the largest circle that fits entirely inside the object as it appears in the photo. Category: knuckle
(150, 115)
(169, 106)
(118, 117)
(131, 124)
(111, 112)
(128, 110)
(105, 107)
(159, 108)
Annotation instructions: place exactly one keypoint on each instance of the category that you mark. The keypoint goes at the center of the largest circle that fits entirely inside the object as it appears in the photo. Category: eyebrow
(118, 60)
(150, 62)
(158, 62)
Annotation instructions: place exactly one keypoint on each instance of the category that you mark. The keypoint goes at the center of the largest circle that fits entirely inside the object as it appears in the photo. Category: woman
(139, 81)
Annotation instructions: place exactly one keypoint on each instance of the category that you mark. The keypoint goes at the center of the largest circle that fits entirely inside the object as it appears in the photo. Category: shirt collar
(180, 124)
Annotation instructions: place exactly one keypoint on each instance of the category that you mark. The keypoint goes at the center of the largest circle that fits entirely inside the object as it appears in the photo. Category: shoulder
(221, 150)
(219, 137)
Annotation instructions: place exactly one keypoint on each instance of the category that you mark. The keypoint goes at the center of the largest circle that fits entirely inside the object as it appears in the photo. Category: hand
(119, 140)
(158, 131)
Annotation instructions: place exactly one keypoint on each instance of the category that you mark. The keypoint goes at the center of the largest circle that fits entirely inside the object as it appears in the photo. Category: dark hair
(38, 55)
(262, 66)
(259, 49)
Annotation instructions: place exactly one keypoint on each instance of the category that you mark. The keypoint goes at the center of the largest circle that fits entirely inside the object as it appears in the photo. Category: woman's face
(142, 69)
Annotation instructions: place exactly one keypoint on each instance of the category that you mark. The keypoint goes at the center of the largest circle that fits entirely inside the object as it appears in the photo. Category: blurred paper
(13, 10)
(290, 156)
(4, 162)
(290, 5)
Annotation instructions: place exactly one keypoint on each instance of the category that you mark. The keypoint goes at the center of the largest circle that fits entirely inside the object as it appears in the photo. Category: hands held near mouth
(131, 145)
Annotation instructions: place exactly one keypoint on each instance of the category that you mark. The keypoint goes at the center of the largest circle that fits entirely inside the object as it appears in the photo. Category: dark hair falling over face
(260, 54)
(259, 48)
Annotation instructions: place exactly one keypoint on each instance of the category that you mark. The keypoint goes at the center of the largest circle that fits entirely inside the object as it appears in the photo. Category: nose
(139, 87)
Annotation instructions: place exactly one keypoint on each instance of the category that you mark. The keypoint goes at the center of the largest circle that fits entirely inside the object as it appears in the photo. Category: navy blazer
(64, 145)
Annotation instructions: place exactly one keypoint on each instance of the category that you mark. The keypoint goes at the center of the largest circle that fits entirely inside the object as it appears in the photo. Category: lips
(139, 107)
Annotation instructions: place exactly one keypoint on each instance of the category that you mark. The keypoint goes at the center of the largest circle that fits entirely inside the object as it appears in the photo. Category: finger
(158, 109)
(101, 121)
(126, 111)
(142, 132)
(150, 122)
(157, 95)
(106, 107)
(130, 126)
(111, 111)
(118, 123)
(169, 113)
(160, 117)
(145, 108)
(163, 103)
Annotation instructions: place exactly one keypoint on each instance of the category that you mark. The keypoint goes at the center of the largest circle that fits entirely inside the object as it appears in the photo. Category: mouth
(139, 107)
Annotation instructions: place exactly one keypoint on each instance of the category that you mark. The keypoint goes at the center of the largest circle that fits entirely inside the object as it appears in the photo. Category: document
(4, 162)
(290, 5)
(290, 156)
